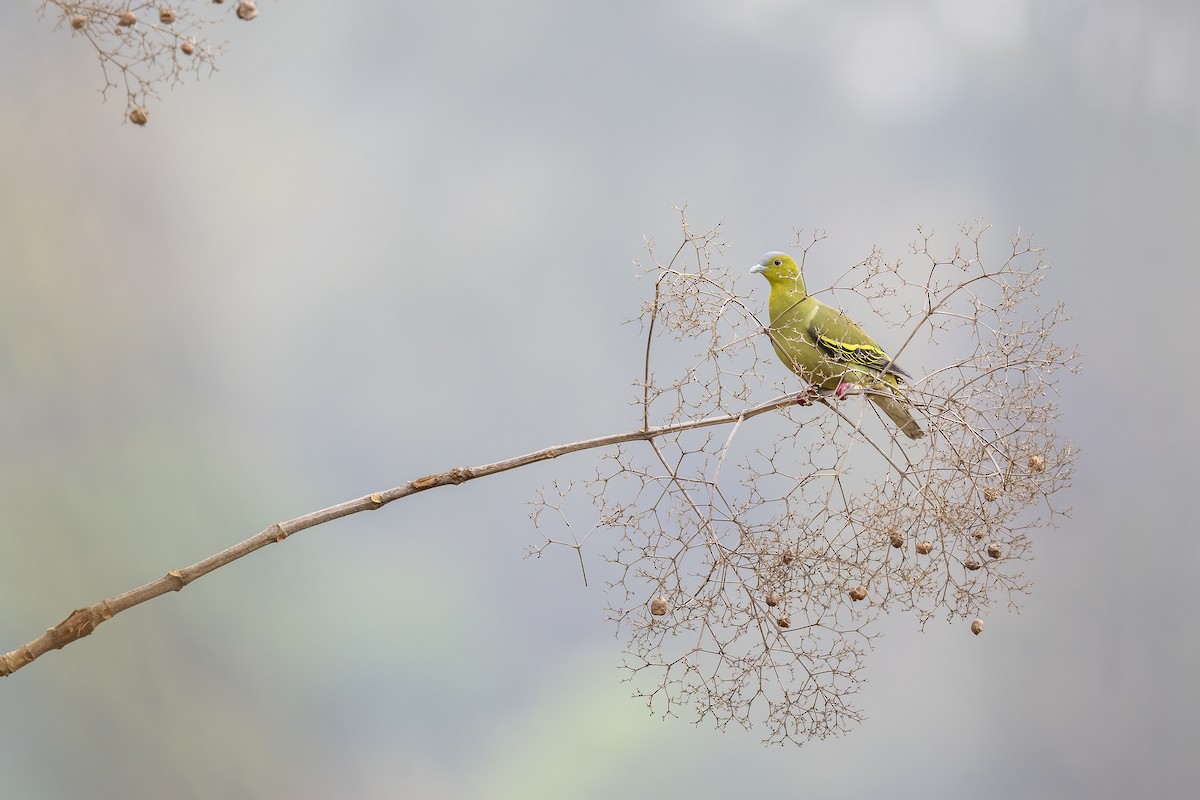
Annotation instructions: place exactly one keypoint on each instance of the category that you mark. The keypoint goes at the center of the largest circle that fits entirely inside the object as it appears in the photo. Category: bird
(826, 348)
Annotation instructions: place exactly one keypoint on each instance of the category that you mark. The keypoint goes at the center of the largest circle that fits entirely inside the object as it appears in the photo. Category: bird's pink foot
(842, 390)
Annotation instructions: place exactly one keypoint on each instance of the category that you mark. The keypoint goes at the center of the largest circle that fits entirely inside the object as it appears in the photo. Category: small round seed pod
(977, 626)
(247, 10)
(858, 593)
(972, 564)
(785, 621)
(167, 15)
(772, 599)
(925, 547)
(139, 116)
(78, 21)
(127, 19)
(896, 538)
(993, 550)
(1037, 463)
(658, 606)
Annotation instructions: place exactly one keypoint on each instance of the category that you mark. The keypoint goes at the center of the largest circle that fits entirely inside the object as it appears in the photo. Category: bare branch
(82, 621)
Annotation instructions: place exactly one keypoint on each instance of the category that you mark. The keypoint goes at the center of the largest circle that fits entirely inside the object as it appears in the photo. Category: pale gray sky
(393, 238)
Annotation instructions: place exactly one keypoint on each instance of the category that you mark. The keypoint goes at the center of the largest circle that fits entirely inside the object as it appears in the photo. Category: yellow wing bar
(862, 355)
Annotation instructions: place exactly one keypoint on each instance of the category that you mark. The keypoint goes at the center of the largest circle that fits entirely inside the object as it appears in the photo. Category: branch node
(80, 623)
(420, 484)
(13, 661)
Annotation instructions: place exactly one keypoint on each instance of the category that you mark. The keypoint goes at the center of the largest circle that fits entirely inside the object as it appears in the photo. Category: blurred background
(391, 238)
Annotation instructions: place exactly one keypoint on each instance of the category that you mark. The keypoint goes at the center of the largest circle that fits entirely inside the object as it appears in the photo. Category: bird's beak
(757, 268)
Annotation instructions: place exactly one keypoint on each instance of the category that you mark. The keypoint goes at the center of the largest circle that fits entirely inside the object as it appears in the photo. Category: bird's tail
(898, 410)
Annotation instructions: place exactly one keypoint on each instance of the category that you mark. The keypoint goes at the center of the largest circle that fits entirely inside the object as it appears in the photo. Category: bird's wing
(845, 342)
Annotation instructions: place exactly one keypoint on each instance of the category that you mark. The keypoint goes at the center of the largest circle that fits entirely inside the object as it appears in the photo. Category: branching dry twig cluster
(750, 565)
(142, 45)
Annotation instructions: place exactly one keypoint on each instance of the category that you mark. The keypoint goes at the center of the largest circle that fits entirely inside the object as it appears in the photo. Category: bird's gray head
(772, 259)
(776, 265)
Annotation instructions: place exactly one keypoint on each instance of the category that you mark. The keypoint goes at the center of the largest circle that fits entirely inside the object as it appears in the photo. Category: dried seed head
(247, 10)
(977, 626)
(127, 19)
(990, 494)
(994, 550)
(658, 606)
(896, 538)
(167, 15)
(1037, 463)
(188, 48)
(772, 599)
(858, 593)
(787, 556)
(139, 116)
(78, 21)
(972, 564)
(785, 621)
(979, 534)
(925, 547)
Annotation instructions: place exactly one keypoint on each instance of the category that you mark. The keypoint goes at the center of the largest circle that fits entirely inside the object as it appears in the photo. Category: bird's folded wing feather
(861, 354)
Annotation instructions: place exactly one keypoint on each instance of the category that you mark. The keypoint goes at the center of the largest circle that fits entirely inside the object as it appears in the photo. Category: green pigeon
(826, 348)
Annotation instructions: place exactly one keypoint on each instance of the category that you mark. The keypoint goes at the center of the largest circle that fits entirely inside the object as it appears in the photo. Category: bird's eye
(779, 262)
